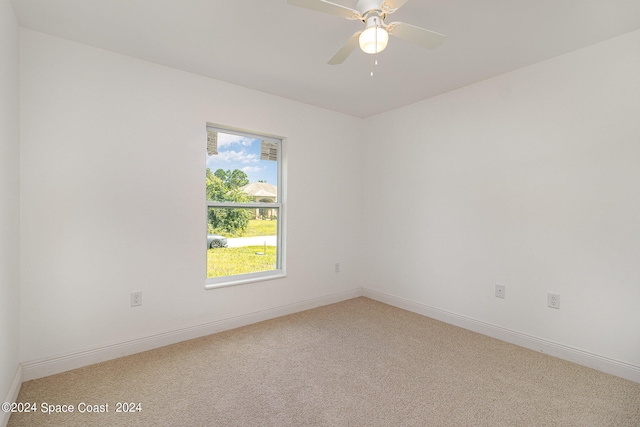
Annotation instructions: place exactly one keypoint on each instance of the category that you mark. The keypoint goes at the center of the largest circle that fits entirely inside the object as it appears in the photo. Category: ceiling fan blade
(346, 50)
(394, 4)
(327, 7)
(420, 36)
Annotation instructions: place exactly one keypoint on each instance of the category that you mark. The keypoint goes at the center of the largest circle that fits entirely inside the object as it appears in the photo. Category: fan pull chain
(373, 62)
(374, 58)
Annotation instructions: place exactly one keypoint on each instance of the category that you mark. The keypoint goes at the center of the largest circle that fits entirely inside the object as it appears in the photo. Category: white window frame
(280, 271)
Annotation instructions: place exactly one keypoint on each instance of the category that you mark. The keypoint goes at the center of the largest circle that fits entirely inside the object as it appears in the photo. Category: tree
(223, 186)
(215, 187)
(232, 179)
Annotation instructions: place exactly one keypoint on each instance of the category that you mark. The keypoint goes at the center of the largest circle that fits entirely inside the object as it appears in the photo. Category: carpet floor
(354, 363)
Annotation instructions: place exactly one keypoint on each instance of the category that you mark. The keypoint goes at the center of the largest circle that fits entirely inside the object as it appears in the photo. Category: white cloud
(225, 140)
(237, 157)
(251, 169)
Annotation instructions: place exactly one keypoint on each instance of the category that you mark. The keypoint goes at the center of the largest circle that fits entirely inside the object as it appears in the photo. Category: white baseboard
(54, 365)
(581, 357)
(12, 396)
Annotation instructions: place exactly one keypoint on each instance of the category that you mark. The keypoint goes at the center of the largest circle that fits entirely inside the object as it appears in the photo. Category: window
(244, 207)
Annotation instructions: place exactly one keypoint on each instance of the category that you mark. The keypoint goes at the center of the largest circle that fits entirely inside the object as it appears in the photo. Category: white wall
(9, 198)
(530, 180)
(113, 197)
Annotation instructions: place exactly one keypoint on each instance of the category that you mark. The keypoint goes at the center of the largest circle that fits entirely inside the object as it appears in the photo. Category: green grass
(260, 227)
(256, 227)
(232, 261)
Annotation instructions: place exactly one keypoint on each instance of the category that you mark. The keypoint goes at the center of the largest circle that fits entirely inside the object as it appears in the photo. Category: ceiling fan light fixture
(374, 39)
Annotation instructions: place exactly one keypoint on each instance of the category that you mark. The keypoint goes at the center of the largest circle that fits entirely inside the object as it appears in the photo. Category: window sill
(224, 282)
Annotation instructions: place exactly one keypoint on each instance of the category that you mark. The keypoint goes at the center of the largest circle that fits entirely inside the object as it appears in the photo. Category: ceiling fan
(375, 36)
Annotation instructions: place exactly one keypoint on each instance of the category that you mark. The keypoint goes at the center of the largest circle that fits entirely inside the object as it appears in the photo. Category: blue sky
(240, 152)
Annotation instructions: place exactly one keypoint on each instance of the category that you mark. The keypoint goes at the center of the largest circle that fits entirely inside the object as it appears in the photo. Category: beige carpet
(355, 363)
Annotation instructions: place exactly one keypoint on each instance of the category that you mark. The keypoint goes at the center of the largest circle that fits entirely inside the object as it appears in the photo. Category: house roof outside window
(260, 190)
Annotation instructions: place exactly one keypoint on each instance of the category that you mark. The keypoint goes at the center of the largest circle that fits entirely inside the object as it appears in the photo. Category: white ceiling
(280, 49)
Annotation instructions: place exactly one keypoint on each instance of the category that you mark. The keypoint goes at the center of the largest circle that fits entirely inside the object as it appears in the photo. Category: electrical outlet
(553, 300)
(337, 268)
(136, 299)
(500, 291)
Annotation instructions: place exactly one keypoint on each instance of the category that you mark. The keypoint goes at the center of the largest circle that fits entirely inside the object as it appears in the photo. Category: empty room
(417, 212)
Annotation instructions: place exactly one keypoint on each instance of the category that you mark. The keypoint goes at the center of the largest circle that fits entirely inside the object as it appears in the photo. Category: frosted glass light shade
(368, 40)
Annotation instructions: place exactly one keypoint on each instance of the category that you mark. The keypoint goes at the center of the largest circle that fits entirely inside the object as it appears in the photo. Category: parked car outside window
(216, 241)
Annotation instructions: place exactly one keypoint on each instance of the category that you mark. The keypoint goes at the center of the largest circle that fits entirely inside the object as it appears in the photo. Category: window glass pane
(241, 241)
(241, 169)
